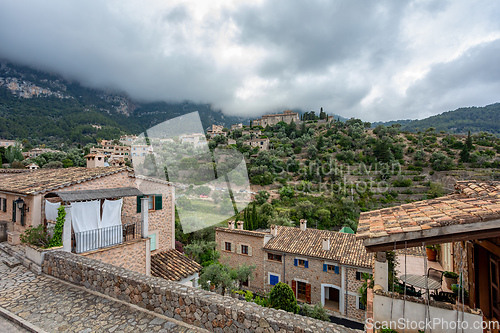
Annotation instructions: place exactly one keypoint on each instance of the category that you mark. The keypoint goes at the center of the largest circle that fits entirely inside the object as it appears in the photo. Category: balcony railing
(105, 237)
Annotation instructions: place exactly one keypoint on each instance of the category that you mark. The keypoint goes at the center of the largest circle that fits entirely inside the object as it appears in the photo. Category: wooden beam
(435, 240)
(436, 235)
(493, 248)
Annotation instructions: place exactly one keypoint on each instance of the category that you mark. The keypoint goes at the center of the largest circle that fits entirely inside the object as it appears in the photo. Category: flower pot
(431, 254)
(450, 281)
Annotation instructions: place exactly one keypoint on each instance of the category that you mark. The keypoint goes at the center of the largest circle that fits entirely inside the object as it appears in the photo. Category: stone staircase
(16, 257)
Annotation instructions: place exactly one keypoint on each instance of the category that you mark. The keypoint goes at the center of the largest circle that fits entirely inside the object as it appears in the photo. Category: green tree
(261, 197)
(216, 275)
(281, 297)
(242, 273)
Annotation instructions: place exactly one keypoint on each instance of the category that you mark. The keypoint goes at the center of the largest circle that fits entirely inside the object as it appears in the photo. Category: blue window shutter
(325, 268)
(306, 264)
(295, 262)
(273, 279)
(337, 270)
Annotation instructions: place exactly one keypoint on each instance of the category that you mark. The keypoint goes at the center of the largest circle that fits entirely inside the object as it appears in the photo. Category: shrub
(402, 182)
(281, 297)
(316, 312)
(35, 236)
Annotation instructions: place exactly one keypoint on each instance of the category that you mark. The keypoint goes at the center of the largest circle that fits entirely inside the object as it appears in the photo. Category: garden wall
(194, 306)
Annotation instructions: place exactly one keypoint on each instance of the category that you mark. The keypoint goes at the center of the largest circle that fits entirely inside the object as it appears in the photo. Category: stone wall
(194, 306)
(119, 255)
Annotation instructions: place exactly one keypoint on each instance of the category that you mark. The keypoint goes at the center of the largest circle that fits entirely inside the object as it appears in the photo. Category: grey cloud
(312, 35)
(344, 56)
(473, 79)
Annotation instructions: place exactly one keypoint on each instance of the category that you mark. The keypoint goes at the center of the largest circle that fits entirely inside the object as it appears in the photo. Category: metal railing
(105, 237)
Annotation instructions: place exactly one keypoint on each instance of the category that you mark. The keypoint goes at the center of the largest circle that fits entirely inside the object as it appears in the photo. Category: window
(244, 249)
(3, 204)
(228, 246)
(301, 290)
(152, 242)
(244, 283)
(358, 276)
(301, 263)
(274, 279)
(154, 202)
(274, 257)
(331, 268)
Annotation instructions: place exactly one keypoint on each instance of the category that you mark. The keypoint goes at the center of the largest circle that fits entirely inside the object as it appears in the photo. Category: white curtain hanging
(111, 213)
(111, 223)
(85, 218)
(85, 215)
(51, 210)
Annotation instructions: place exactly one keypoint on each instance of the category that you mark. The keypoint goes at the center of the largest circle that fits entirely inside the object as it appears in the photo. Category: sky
(374, 60)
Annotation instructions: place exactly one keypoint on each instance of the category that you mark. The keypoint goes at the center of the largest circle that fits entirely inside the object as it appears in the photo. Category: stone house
(272, 119)
(322, 267)
(263, 144)
(37, 188)
(216, 130)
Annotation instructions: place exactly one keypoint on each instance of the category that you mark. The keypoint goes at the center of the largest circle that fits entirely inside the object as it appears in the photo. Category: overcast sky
(376, 60)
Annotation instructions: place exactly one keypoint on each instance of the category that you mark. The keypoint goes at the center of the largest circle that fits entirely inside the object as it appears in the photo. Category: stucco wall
(130, 255)
(391, 309)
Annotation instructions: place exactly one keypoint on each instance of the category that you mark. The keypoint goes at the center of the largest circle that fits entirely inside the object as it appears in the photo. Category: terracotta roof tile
(43, 180)
(344, 248)
(173, 265)
(473, 202)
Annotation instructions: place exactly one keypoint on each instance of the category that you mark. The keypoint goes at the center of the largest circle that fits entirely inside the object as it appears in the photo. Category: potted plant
(450, 278)
(457, 290)
(431, 251)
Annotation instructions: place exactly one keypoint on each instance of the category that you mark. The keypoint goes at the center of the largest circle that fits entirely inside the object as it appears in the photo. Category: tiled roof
(242, 232)
(474, 189)
(173, 265)
(10, 171)
(344, 248)
(474, 202)
(44, 180)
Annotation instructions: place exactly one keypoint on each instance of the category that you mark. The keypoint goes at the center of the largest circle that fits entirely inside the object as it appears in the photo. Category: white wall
(415, 313)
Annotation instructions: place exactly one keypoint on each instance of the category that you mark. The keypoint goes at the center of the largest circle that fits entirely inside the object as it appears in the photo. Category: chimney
(326, 244)
(303, 225)
(240, 225)
(230, 224)
(274, 230)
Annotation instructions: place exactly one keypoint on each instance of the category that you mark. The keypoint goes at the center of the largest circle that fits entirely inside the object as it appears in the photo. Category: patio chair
(444, 296)
(435, 275)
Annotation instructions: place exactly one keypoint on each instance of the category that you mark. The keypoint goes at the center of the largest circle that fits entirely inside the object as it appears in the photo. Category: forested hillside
(45, 109)
(460, 121)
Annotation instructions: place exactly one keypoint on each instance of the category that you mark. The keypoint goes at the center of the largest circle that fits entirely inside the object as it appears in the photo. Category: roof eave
(437, 235)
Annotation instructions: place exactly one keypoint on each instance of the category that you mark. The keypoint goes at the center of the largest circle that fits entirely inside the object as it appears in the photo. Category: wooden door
(494, 287)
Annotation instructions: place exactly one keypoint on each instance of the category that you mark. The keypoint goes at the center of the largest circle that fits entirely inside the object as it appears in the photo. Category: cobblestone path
(55, 306)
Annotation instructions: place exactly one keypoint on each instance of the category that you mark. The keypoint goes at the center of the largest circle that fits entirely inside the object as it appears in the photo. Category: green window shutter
(14, 217)
(152, 239)
(139, 197)
(158, 202)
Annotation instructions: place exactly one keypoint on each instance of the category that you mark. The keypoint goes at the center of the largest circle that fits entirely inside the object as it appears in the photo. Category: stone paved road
(58, 307)
(7, 326)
